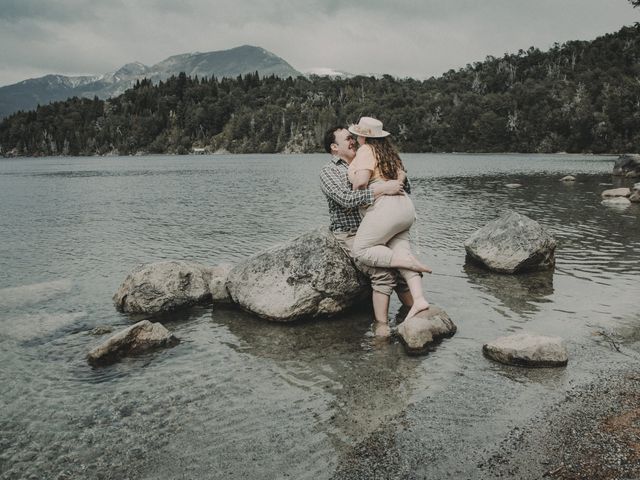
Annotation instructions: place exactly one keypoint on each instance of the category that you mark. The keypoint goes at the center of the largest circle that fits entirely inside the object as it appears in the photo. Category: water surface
(244, 398)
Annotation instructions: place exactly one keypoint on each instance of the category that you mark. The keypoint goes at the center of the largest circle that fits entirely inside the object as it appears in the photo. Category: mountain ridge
(29, 93)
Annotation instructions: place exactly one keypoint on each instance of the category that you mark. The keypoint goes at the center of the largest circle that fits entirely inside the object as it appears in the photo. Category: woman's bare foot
(410, 263)
(418, 306)
(381, 329)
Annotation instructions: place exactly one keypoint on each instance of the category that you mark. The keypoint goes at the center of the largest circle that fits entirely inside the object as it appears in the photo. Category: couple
(371, 214)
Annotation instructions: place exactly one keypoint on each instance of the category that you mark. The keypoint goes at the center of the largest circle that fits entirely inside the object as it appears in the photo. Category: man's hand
(390, 187)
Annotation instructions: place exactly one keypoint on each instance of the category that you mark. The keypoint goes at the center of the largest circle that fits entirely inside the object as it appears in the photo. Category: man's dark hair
(330, 136)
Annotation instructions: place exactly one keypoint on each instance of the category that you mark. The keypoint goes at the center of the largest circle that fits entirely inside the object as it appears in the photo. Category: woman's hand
(390, 187)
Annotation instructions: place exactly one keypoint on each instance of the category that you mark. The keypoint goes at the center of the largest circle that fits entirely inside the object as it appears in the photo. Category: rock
(627, 165)
(163, 286)
(101, 330)
(513, 185)
(421, 330)
(635, 196)
(568, 178)
(511, 244)
(133, 340)
(217, 285)
(308, 276)
(636, 187)
(528, 350)
(616, 202)
(616, 192)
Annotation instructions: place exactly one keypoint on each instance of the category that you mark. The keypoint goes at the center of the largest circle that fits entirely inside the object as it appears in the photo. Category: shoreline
(592, 434)
(214, 154)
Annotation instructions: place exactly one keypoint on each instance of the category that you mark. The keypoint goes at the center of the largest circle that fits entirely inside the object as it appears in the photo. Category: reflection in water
(366, 381)
(520, 293)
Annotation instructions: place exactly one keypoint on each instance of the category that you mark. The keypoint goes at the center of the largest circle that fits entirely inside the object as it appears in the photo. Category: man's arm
(333, 185)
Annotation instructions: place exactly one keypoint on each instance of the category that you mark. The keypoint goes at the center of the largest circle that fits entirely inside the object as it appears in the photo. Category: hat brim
(361, 133)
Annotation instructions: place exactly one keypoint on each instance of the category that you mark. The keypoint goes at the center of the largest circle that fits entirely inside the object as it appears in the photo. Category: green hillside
(582, 96)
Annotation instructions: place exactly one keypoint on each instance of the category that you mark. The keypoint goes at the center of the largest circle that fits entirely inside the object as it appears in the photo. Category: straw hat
(368, 127)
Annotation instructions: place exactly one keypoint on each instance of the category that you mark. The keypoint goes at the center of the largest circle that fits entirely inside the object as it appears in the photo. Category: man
(345, 219)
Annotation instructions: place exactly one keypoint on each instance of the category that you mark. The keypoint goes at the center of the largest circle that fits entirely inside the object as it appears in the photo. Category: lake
(240, 397)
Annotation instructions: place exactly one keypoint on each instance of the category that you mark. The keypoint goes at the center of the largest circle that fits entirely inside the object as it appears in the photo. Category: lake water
(243, 398)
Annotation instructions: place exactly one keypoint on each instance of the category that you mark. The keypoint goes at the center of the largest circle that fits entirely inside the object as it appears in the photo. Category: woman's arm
(363, 166)
(361, 179)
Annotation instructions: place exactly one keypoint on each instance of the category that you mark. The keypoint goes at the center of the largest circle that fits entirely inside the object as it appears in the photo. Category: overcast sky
(416, 38)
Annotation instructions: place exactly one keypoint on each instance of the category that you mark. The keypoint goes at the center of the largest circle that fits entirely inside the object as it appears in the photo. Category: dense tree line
(582, 96)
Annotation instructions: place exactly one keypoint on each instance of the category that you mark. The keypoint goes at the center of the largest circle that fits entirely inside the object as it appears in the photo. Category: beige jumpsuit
(385, 225)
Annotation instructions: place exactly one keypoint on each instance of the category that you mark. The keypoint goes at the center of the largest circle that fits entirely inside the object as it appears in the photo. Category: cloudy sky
(416, 38)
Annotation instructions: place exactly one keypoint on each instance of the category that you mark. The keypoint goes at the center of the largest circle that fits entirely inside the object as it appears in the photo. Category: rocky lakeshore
(592, 434)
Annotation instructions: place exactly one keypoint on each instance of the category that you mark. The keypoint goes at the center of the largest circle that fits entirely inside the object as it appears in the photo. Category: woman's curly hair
(387, 159)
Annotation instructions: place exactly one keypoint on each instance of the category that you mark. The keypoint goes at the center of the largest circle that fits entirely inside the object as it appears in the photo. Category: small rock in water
(616, 202)
(528, 350)
(568, 178)
(513, 185)
(616, 192)
(101, 330)
(428, 326)
(512, 243)
(635, 196)
(133, 340)
(217, 286)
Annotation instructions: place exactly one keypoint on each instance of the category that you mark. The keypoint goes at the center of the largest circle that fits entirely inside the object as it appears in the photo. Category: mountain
(27, 94)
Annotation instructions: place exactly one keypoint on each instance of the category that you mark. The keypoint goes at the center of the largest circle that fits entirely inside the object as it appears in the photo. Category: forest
(577, 97)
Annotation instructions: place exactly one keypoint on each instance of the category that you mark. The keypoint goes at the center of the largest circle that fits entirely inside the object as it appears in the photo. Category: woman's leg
(387, 217)
(400, 245)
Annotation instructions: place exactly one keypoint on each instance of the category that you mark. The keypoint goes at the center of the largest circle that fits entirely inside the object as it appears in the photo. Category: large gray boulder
(133, 340)
(528, 350)
(627, 165)
(308, 276)
(511, 244)
(426, 327)
(163, 286)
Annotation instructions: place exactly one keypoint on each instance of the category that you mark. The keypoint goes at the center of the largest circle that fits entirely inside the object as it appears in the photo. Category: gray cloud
(403, 37)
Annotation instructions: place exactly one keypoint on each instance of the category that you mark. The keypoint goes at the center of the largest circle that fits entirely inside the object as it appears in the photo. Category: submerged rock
(627, 165)
(308, 276)
(528, 350)
(512, 243)
(616, 202)
(513, 185)
(133, 340)
(163, 286)
(421, 330)
(616, 192)
(568, 178)
(217, 285)
(101, 330)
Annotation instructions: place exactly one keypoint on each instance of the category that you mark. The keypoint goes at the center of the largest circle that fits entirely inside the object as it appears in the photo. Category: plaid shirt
(343, 201)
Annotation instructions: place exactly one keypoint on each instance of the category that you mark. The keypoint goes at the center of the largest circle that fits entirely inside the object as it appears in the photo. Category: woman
(382, 239)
